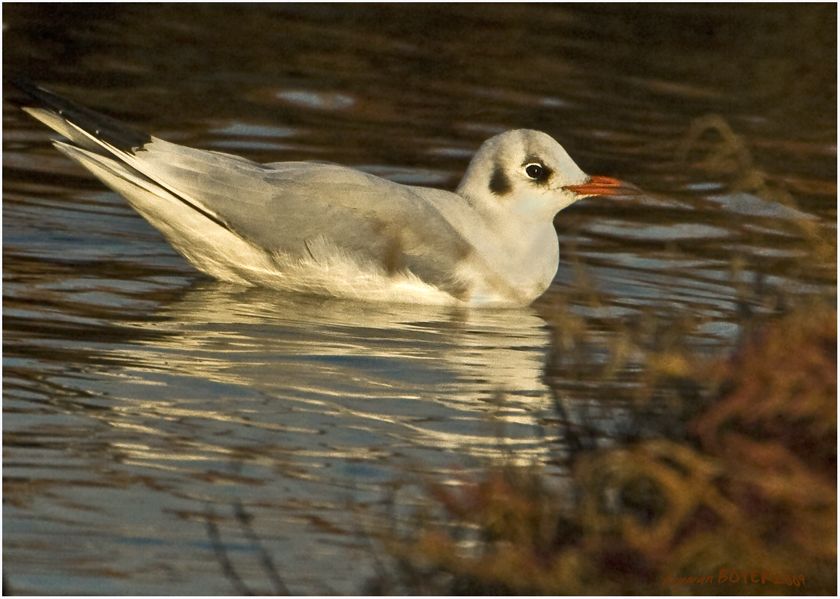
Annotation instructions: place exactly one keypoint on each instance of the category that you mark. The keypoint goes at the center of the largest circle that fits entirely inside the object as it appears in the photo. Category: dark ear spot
(499, 182)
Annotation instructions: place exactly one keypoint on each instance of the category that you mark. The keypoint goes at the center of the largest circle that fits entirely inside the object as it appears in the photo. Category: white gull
(332, 230)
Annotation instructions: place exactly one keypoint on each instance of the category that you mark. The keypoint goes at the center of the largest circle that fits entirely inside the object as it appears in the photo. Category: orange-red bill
(602, 186)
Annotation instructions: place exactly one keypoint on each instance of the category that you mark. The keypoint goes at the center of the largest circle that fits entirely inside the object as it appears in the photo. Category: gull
(326, 229)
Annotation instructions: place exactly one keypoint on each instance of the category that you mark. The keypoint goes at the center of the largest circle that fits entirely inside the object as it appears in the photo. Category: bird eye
(535, 170)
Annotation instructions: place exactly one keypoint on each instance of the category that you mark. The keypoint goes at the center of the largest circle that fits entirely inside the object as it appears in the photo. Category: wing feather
(286, 207)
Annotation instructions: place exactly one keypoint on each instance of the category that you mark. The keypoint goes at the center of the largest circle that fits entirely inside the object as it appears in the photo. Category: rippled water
(142, 399)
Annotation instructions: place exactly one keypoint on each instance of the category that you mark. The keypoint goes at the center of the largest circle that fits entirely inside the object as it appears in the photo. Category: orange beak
(601, 186)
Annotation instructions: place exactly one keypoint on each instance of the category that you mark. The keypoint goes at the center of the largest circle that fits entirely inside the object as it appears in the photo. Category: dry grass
(752, 491)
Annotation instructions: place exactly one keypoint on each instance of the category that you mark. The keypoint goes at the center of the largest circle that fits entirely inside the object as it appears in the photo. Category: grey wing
(282, 207)
(294, 207)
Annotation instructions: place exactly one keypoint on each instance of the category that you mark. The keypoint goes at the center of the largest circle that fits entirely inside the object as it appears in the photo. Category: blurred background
(167, 434)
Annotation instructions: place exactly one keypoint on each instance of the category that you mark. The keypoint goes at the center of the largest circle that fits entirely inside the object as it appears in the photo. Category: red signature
(736, 576)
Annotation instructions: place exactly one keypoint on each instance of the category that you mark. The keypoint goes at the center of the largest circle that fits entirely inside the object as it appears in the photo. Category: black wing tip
(33, 94)
(103, 127)
(22, 84)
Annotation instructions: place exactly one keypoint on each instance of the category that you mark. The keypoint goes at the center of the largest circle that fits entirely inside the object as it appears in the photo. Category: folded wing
(295, 208)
